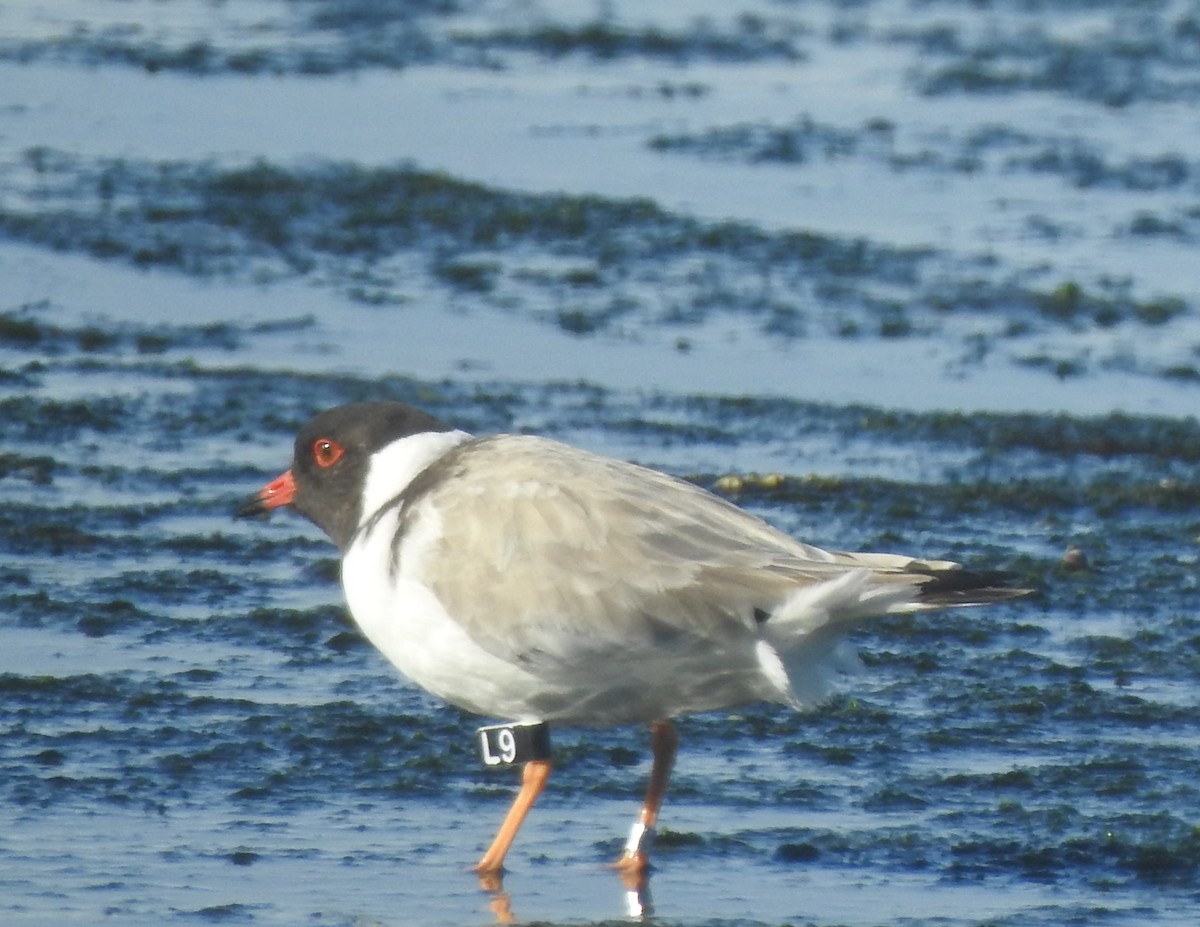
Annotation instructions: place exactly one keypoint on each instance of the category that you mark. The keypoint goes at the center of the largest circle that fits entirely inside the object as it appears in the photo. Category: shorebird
(523, 579)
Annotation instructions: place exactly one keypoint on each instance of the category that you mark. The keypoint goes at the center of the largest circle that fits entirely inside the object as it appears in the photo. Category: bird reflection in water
(636, 882)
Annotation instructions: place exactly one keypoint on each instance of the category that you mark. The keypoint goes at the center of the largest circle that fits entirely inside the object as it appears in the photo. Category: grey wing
(578, 556)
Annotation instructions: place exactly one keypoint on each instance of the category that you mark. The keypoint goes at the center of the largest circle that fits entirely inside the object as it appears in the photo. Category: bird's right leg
(664, 741)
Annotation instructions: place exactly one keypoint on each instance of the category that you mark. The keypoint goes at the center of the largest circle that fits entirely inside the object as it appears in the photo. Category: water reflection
(636, 884)
(637, 891)
(499, 902)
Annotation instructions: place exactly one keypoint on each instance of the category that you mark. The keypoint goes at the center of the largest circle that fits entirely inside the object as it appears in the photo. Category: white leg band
(637, 834)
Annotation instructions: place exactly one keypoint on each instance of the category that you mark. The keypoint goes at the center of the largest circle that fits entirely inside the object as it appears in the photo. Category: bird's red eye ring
(327, 452)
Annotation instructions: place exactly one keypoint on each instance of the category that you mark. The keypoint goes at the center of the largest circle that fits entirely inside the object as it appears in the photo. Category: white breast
(398, 612)
(406, 622)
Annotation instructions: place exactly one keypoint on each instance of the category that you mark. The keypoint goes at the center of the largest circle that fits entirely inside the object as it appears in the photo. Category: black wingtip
(970, 587)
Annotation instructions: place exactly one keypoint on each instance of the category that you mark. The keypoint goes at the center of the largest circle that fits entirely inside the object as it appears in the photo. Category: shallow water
(911, 258)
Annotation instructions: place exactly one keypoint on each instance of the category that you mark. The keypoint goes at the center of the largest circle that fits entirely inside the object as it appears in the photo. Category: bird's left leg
(664, 741)
(533, 780)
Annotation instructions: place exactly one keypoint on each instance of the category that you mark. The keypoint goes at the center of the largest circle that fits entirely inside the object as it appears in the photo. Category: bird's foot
(634, 870)
(491, 879)
(637, 863)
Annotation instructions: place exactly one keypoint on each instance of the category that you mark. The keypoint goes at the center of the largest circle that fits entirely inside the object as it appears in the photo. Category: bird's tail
(807, 632)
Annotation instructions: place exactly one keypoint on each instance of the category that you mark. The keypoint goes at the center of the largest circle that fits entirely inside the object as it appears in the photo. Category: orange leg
(533, 780)
(664, 741)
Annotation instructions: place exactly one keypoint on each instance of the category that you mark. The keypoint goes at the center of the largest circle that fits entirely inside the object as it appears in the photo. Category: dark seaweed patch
(343, 36)
(27, 328)
(749, 38)
(1084, 168)
(990, 148)
(344, 209)
(38, 469)
(798, 143)
(1136, 55)
(340, 36)
(347, 224)
(344, 222)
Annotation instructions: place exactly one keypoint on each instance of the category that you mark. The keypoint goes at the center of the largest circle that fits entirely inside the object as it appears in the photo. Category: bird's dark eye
(327, 452)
